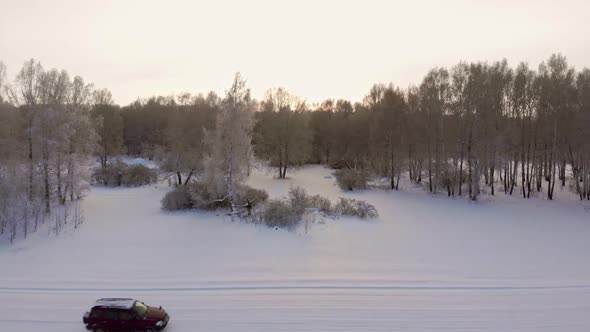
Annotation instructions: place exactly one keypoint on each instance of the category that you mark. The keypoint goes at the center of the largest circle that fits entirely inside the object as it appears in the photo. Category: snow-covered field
(427, 264)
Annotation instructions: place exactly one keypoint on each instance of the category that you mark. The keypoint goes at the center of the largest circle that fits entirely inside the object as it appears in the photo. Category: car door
(96, 317)
(128, 321)
(111, 319)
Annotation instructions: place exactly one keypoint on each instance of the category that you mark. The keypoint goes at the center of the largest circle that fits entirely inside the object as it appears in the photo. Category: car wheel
(100, 329)
(149, 329)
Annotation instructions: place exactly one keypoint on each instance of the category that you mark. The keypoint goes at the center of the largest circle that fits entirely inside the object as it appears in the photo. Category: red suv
(117, 314)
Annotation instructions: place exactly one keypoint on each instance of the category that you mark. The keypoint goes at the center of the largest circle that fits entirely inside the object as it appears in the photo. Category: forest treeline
(519, 130)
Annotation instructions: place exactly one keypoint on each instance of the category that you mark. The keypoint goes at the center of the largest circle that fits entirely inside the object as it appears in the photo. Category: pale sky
(316, 49)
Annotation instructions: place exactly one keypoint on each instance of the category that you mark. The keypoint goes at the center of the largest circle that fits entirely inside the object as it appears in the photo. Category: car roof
(118, 303)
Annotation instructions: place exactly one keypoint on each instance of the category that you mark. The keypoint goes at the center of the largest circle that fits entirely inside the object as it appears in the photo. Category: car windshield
(140, 309)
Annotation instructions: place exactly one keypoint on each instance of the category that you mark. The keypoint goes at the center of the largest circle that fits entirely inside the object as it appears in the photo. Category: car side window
(111, 315)
(96, 313)
(125, 315)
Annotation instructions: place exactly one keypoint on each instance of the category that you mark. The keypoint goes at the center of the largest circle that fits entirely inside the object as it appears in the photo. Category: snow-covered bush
(120, 174)
(356, 208)
(321, 203)
(177, 199)
(279, 213)
(298, 199)
(338, 164)
(203, 199)
(111, 175)
(251, 195)
(198, 195)
(139, 175)
(288, 212)
(350, 179)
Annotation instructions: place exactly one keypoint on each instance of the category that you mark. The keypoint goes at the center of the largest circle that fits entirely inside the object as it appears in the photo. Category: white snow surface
(429, 263)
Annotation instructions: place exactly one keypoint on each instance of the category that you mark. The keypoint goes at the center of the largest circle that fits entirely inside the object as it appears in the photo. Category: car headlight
(160, 323)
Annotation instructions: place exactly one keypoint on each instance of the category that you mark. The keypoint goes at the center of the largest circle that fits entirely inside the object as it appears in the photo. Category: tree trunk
(470, 167)
(31, 165)
(429, 166)
(60, 194)
(179, 178)
(392, 168)
(46, 183)
(514, 178)
(189, 176)
(562, 172)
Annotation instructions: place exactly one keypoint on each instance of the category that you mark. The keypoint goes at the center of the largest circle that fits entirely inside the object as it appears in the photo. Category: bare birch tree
(231, 142)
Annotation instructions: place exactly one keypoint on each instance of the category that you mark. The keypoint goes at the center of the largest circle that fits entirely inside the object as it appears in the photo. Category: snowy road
(428, 264)
(323, 309)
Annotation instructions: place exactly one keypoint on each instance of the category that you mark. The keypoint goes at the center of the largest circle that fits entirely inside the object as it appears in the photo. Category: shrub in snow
(355, 208)
(351, 179)
(177, 199)
(111, 175)
(121, 174)
(279, 213)
(282, 213)
(251, 195)
(288, 212)
(298, 199)
(139, 175)
(338, 164)
(204, 199)
(321, 203)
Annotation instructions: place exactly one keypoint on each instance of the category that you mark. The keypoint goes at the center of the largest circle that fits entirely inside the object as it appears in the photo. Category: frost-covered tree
(102, 97)
(230, 144)
(388, 133)
(556, 102)
(82, 137)
(282, 132)
(579, 146)
(184, 136)
(12, 185)
(523, 99)
(46, 136)
(434, 101)
(109, 126)
(2, 81)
